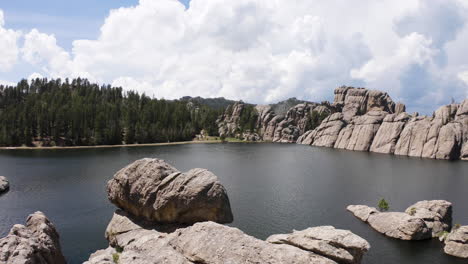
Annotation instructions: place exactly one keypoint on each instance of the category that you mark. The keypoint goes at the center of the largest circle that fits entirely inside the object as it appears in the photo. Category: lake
(273, 188)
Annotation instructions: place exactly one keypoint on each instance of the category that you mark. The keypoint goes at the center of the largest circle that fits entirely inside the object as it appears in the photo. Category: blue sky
(260, 51)
(66, 19)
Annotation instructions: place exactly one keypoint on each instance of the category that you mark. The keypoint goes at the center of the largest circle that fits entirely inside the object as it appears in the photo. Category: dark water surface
(272, 188)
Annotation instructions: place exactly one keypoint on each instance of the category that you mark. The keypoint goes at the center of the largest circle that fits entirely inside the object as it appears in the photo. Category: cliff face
(268, 125)
(358, 119)
(371, 121)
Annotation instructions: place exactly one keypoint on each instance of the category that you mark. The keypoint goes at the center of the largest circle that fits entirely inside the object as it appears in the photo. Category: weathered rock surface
(35, 243)
(389, 132)
(327, 133)
(437, 214)
(392, 224)
(360, 133)
(156, 191)
(206, 242)
(4, 184)
(285, 127)
(370, 121)
(136, 238)
(423, 220)
(341, 246)
(456, 243)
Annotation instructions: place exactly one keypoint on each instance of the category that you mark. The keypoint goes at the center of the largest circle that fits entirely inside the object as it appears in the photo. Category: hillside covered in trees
(79, 113)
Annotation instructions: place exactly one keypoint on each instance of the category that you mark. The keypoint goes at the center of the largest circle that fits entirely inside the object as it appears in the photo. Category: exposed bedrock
(137, 235)
(370, 121)
(156, 191)
(270, 126)
(209, 242)
(340, 245)
(422, 220)
(37, 242)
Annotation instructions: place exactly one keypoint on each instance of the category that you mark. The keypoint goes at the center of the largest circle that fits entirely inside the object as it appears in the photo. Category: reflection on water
(273, 188)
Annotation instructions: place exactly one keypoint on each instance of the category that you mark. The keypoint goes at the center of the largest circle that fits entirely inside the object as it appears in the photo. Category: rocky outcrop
(456, 243)
(270, 126)
(206, 242)
(389, 132)
(137, 235)
(327, 133)
(229, 122)
(370, 121)
(340, 245)
(4, 184)
(359, 101)
(422, 220)
(437, 214)
(37, 243)
(360, 133)
(156, 191)
(392, 224)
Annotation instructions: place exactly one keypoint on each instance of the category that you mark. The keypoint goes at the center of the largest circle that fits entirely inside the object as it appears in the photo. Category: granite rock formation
(340, 245)
(4, 184)
(437, 214)
(369, 120)
(422, 220)
(456, 243)
(137, 235)
(37, 243)
(156, 191)
(270, 126)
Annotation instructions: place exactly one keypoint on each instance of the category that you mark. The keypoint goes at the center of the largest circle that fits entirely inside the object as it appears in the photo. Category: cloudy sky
(260, 51)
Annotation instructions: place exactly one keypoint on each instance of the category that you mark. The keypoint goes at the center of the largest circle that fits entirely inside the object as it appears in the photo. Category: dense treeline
(75, 113)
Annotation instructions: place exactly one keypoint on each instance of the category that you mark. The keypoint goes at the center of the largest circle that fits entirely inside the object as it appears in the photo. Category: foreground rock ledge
(154, 190)
(340, 245)
(456, 243)
(208, 242)
(35, 243)
(4, 184)
(422, 220)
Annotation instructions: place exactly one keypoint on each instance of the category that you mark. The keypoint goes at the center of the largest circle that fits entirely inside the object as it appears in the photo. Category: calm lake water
(273, 188)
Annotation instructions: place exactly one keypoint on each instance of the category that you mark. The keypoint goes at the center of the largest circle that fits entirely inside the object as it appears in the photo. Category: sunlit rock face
(154, 190)
(36, 242)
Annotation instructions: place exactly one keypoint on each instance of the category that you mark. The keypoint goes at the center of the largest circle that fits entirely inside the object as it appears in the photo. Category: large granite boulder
(392, 224)
(4, 184)
(456, 243)
(35, 243)
(156, 191)
(205, 242)
(437, 214)
(340, 245)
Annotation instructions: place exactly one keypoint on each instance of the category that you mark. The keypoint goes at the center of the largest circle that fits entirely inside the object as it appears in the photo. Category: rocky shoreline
(360, 120)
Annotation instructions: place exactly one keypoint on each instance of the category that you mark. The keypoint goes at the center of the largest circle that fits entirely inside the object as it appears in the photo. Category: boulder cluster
(166, 216)
(422, 220)
(370, 121)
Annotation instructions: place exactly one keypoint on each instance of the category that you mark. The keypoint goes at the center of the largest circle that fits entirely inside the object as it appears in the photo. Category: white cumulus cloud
(263, 51)
(8, 45)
